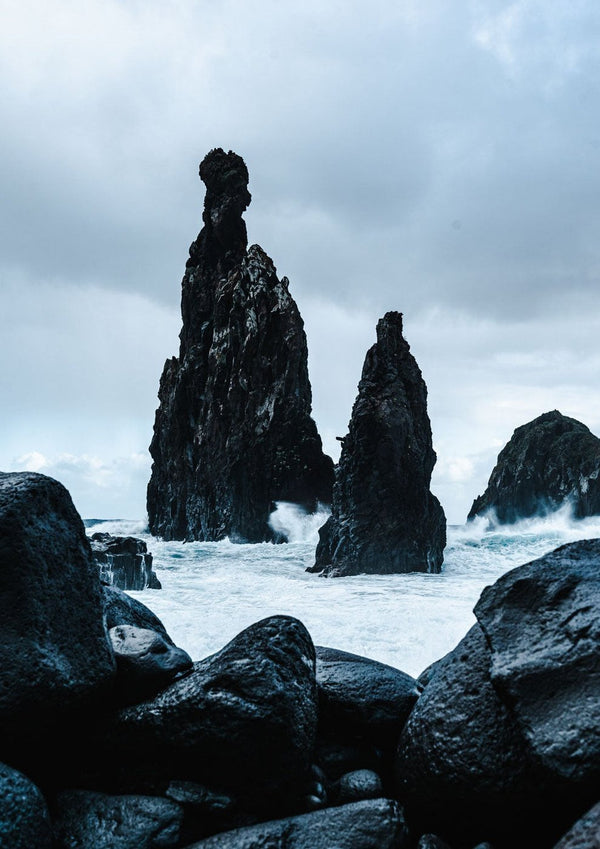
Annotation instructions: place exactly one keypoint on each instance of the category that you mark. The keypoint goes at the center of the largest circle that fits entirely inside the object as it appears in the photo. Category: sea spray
(295, 524)
(211, 591)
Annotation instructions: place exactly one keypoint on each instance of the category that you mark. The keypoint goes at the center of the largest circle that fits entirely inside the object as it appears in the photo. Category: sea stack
(384, 518)
(548, 462)
(233, 432)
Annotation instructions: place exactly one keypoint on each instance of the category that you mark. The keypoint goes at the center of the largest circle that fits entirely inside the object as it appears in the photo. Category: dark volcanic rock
(357, 785)
(24, 820)
(242, 722)
(85, 819)
(146, 662)
(585, 834)
(122, 609)
(361, 698)
(124, 562)
(233, 432)
(462, 768)
(542, 624)
(374, 824)
(384, 518)
(504, 742)
(55, 656)
(548, 462)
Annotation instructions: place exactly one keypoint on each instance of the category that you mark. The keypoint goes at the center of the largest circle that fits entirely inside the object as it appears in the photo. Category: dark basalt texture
(504, 742)
(374, 824)
(548, 462)
(233, 432)
(85, 819)
(124, 562)
(55, 656)
(24, 820)
(243, 721)
(384, 518)
(585, 834)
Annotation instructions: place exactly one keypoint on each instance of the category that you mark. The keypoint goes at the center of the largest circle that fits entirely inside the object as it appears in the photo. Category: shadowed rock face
(384, 518)
(549, 461)
(233, 432)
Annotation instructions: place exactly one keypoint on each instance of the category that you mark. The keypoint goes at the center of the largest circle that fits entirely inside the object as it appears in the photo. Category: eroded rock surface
(124, 562)
(233, 432)
(55, 656)
(384, 517)
(548, 462)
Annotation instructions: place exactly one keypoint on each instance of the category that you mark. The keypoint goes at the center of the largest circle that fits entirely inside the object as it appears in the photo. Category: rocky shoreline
(111, 736)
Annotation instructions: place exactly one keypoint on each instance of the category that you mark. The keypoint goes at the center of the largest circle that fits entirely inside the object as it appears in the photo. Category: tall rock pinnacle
(233, 432)
(384, 518)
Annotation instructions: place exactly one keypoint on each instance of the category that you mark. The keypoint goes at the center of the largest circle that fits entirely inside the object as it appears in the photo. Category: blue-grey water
(211, 591)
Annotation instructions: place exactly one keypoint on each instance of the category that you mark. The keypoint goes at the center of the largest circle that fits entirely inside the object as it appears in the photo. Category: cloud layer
(440, 160)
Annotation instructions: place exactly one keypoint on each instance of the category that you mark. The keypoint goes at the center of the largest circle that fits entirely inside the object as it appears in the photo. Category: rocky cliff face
(549, 461)
(233, 432)
(384, 518)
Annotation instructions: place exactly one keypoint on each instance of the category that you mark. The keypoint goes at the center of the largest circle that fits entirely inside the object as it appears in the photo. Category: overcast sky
(437, 158)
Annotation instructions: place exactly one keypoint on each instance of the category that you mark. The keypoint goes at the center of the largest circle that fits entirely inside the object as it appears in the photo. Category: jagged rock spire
(384, 518)
(233, 432)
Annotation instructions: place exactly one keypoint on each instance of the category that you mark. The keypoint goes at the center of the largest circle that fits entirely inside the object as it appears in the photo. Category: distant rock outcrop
(233, 432)
(384, 518)
(548, 462)
(124, 562)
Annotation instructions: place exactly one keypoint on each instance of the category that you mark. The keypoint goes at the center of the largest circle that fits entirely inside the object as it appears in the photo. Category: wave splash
(295, 524)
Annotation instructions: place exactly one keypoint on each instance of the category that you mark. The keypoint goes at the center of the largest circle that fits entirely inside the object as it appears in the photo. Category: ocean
(213, 590)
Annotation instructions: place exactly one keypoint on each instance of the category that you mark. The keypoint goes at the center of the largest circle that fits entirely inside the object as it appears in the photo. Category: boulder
(242, 723)
(55, 656)
(585, 834)
(356, 785)
(362, 699)
(24, 820)
(146, 662)
(550, 461)
(503, 743)
(85, 819)
(233, 432)
(462, 768)
(373, 824)
(124, 562)
(384, 518)
(431, 841)
(122, 609)
(542, 625)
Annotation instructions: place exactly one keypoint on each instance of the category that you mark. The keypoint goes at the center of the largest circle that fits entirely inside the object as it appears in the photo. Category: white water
(211, 591)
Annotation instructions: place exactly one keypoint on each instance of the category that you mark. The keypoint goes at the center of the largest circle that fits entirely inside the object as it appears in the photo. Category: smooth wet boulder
(242, 723)
(585, 834)
(462, 768)
(373, 824)
(233, 432)
(542, 625)
(548, 462)
(24, 819)
(146, 662)
(356, 785)
(503, 743)
(122, 609)
(55, 656)
(84, 819)
(384, 518)
(362, 698)
(124, 562)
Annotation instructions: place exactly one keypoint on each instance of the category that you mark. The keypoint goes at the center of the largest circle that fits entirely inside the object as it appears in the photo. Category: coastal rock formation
(504, 742)
(24, 819)
(384, 518)
(233, 432)
(55, 655)
(124, 562)
(547, 462)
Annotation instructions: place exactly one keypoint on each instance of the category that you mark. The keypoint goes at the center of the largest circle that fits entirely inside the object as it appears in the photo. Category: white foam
(296, 524)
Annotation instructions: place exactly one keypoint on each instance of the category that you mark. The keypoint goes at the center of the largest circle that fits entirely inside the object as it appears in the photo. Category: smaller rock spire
(384, 518)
